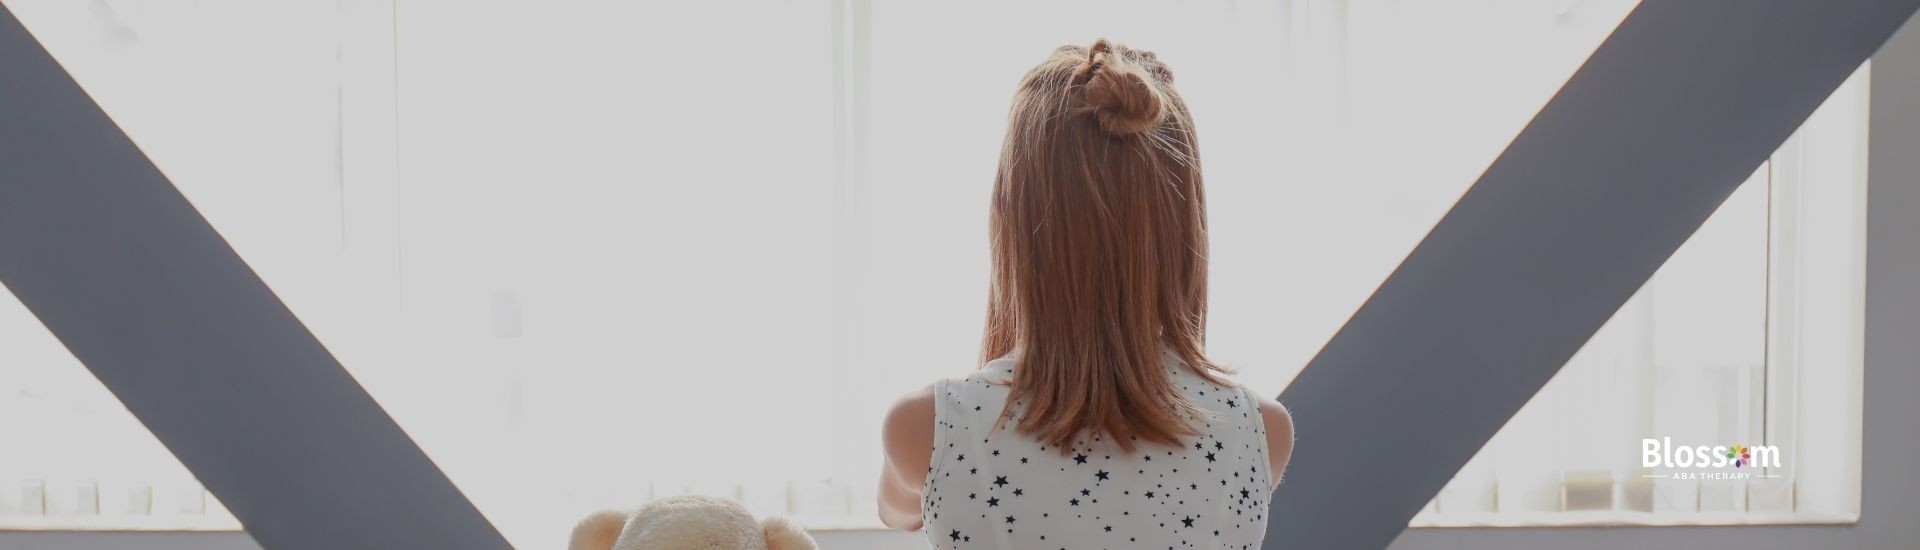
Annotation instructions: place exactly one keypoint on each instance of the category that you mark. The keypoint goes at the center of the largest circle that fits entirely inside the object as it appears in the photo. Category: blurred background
(592, 253)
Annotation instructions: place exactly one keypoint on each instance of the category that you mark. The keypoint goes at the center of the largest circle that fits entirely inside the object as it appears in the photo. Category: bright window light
(592, 253)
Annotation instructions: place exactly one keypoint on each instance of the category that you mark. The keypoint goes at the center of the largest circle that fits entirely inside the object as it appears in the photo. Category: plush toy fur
(689, 522)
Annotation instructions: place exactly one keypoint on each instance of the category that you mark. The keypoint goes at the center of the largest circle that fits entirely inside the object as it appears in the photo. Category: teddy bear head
(689, 522)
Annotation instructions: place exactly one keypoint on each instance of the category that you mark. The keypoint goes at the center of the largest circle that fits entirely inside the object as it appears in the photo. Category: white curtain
(590, 253)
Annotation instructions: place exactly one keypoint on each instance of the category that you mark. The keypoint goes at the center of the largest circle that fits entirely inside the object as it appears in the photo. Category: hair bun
(1121, 93)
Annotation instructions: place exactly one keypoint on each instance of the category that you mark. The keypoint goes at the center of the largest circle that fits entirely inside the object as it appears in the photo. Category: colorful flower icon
(1740, 455)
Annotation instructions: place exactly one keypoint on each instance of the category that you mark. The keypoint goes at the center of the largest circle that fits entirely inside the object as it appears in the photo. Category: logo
(1707, 461)
(1739, 454)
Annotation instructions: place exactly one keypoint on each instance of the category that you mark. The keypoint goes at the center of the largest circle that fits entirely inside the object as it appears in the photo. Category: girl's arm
(907, 438)
(1279, 435)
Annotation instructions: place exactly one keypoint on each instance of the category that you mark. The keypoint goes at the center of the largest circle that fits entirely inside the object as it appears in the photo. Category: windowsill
(846, 524)
(137, 524)
(101, 524)
(1612, 518)
(1618, 518)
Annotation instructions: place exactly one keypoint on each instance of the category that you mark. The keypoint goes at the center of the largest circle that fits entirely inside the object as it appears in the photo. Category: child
(1097, 420)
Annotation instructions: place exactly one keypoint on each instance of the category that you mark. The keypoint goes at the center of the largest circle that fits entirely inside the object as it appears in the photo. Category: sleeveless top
(1005, 490)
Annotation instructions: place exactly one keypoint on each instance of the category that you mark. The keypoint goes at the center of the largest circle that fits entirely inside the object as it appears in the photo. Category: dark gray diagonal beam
(117, 264)
(1659, 126)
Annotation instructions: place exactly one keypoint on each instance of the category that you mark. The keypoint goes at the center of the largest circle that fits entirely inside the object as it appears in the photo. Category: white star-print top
(1007, 491)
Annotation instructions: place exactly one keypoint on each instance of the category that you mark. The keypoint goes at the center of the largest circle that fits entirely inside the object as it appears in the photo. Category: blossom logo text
(1661, 453)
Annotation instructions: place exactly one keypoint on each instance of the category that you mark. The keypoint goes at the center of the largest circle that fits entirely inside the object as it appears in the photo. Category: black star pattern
(1229, 448)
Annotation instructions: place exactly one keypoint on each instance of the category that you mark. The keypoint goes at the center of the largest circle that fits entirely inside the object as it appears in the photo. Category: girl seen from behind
(1097, 421)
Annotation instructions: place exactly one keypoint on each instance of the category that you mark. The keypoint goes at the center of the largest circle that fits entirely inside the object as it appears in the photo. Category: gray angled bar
(118, 265)
(1659, 126)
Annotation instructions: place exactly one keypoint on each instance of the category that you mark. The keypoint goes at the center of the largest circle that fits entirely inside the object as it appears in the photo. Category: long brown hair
(1099, 236)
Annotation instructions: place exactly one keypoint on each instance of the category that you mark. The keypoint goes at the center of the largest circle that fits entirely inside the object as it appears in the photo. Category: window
(1750, 332)
(640, 249)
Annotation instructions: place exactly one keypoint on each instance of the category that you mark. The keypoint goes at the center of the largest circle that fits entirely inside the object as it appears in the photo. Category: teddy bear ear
(782, 534)
(598, 531)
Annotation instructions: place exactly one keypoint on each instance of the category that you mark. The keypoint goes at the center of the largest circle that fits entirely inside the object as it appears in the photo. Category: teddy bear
(688, 522)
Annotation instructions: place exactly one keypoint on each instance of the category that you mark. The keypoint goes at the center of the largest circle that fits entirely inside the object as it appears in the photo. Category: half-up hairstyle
(1099, 241)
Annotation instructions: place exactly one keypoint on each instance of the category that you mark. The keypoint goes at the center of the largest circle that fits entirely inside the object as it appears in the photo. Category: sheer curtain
(593, 253)
(1749, 332)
